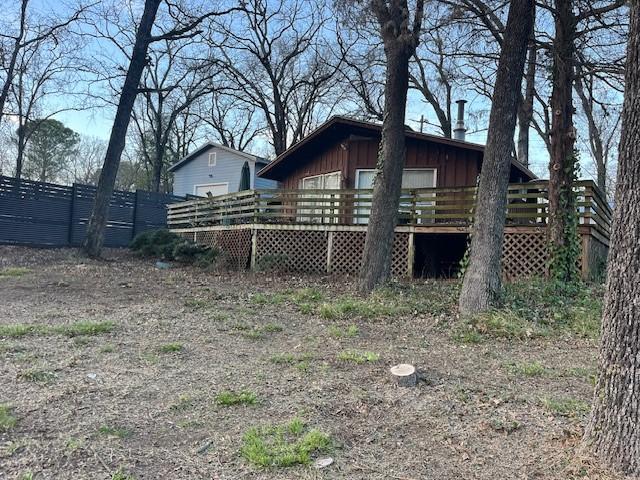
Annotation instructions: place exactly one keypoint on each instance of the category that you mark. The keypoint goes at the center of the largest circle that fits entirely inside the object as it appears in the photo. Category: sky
(97, 121)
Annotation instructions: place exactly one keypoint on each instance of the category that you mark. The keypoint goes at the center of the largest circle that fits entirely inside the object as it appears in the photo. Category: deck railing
(527, 205)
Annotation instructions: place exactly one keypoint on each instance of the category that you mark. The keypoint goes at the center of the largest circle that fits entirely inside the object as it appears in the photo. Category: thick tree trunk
(481, 284)
(400, 42)
(614, 429)
(94, 240)
(376, 262)
(562, 164)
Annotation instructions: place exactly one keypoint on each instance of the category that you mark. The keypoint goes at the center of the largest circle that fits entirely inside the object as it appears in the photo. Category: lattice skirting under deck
(524, 255)
(234, 246)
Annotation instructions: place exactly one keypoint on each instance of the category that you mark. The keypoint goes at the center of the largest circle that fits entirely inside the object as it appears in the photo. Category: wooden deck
(313, 224)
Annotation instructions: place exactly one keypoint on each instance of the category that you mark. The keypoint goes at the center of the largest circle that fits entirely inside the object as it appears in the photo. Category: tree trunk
(525, 112)
(92, 244)
(400, 44)
(562, 208)
(376, 261)
(481, 284)
(614, 431)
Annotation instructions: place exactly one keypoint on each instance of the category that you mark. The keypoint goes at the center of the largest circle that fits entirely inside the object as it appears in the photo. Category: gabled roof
(339, 123)
(181, 163)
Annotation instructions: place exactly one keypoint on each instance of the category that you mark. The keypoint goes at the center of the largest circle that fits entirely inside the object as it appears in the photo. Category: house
(317, 221)
(218, 170)
(342, 153)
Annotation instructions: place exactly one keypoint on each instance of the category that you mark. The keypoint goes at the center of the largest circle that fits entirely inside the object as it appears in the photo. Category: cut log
(404, 375)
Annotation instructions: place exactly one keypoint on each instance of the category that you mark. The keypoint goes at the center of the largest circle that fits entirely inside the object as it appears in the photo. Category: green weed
(284, 445)
(527, 369)
(13, 272)
(118, 432)
(70, 330)
(358, 357)
(38, 376)
(349, 332)
(185, 402)
(228, 398)
(121, 475)
(172, 347)
(7, 420)
(566, 407)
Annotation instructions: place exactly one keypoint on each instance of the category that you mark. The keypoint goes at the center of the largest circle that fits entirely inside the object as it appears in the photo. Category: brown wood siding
(456, 167)
(332, 159)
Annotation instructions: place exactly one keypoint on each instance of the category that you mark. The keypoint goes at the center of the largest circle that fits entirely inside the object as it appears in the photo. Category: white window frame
(320, 206)
(363, 210)
(213, 155)
(215, 184)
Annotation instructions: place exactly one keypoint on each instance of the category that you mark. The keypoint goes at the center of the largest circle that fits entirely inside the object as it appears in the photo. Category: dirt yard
(115, 370)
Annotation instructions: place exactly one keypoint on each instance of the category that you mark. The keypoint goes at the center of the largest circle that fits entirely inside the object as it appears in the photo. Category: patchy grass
(69, 330)
(38, 376)
(7, 420)
(283, 445)
(114, 432)
(198, 304)
(396, 300)
(504, 425)
(13, 272)
(272, 328)
(107, 348)
(566, 407)
(527, 369)
(73, 444)
(349, 332)
(172, 347)
(586, 373)
(537, 308)
(301, 362)
(228, 398)
(185, 402)
(358, 357)
(120, 474)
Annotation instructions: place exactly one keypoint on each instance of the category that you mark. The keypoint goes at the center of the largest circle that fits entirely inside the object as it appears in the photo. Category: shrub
(170, 246)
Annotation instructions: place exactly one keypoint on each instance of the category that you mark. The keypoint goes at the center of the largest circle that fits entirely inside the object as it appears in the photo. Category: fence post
(135, 216)
(71, 213)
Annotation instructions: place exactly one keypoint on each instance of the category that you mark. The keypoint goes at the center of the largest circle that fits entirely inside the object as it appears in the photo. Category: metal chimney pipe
(459, 133)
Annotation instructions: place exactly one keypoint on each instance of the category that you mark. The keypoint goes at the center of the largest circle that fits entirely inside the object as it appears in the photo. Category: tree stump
(404, 375)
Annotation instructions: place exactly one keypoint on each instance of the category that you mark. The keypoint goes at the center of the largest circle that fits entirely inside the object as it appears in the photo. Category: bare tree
(400, 36)
(276, 53)
(229, 120)
(43, 70)
(613, 431)
(185, 26)
(602, 118)
(171, 83)
(29, 33)
(481, 285)
(82, 167)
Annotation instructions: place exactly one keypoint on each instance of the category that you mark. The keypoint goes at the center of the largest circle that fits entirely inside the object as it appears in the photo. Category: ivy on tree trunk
(562, 228)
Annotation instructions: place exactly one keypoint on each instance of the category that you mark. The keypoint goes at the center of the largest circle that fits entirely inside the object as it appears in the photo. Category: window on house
(318, 211)
(212, 159)
(412, 178)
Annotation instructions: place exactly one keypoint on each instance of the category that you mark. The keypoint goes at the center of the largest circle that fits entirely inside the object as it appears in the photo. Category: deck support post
(329, 250)
(585, 257)
(411, 254)
(254, 248)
